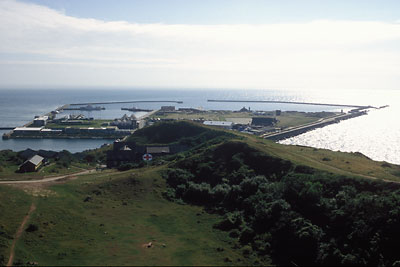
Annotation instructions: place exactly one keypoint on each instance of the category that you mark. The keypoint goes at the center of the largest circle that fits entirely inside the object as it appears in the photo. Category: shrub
(125, 166)
(32, 228)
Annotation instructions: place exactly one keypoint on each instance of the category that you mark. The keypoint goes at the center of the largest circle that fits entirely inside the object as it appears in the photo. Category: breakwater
(290, 102)
(294, 131)
(127, 102)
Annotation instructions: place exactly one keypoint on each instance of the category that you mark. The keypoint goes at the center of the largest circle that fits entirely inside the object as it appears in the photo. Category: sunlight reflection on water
(377, 135)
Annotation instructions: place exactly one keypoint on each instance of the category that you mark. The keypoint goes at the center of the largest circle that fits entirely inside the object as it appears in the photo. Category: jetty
(127, 102)
(290, 102)
(294, 131)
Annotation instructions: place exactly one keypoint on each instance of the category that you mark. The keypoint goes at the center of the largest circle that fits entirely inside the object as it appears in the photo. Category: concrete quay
(294, 131)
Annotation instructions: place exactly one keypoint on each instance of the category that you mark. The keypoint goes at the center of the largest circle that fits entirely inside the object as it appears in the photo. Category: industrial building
(27, 130)
(168, 108)
(39, 121)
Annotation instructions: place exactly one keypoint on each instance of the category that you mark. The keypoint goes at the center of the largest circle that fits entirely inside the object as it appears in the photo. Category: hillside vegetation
(296, 214)
(230, 199)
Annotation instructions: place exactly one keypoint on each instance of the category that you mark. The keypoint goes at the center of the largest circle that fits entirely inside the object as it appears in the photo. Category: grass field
(14, 204)
(286, 119)
(122, 214)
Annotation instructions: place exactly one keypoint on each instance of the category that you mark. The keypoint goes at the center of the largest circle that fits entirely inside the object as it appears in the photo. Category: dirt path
(19, 233)
(50, 179)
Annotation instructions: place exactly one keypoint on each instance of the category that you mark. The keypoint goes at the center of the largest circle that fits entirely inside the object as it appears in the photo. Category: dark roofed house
(31, 164)
(123, 152)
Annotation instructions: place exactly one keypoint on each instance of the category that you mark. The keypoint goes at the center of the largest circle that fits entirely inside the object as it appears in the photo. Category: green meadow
(110, 219)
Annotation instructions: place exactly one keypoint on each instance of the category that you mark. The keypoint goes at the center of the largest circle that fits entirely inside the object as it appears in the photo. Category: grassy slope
(351, 164)
(112, 228)
(14, 204)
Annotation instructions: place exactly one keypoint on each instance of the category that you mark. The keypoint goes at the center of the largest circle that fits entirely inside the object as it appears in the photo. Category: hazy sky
(310, 44)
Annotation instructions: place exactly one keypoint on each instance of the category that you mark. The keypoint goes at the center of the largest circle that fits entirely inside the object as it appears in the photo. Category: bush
(32, 228)
(126, 166)
(230, 221)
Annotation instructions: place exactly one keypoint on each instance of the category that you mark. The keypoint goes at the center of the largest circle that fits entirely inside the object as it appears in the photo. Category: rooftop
(32, 129)
(218, 123)
(45, 118)
(36, 159)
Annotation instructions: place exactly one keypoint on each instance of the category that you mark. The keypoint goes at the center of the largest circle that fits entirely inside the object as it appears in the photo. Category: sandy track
(50, 179)
(19, 233)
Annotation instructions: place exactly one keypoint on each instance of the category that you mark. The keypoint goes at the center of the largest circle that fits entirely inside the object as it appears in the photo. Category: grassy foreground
(109, 219)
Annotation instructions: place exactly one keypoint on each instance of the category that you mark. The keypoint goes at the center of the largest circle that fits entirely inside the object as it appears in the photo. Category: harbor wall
(306, 128)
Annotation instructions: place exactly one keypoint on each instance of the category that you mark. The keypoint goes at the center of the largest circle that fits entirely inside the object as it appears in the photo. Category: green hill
(232, 199)
(181, 132)
(292, 213)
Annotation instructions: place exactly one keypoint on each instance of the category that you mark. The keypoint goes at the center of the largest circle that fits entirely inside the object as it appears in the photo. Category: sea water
(375, 135)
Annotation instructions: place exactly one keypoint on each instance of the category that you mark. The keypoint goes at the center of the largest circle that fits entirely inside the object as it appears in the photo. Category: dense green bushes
(8, 157)
(293, 213)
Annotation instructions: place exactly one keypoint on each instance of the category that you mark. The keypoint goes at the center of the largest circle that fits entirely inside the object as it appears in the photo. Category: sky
(238, 44)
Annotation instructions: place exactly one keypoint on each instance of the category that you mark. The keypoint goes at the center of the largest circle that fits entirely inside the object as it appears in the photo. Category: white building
(222, 124)
(40, 121)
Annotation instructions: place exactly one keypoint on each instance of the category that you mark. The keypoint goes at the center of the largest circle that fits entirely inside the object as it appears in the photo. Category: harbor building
(168, 108)
(39, 121)
(27, 130)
